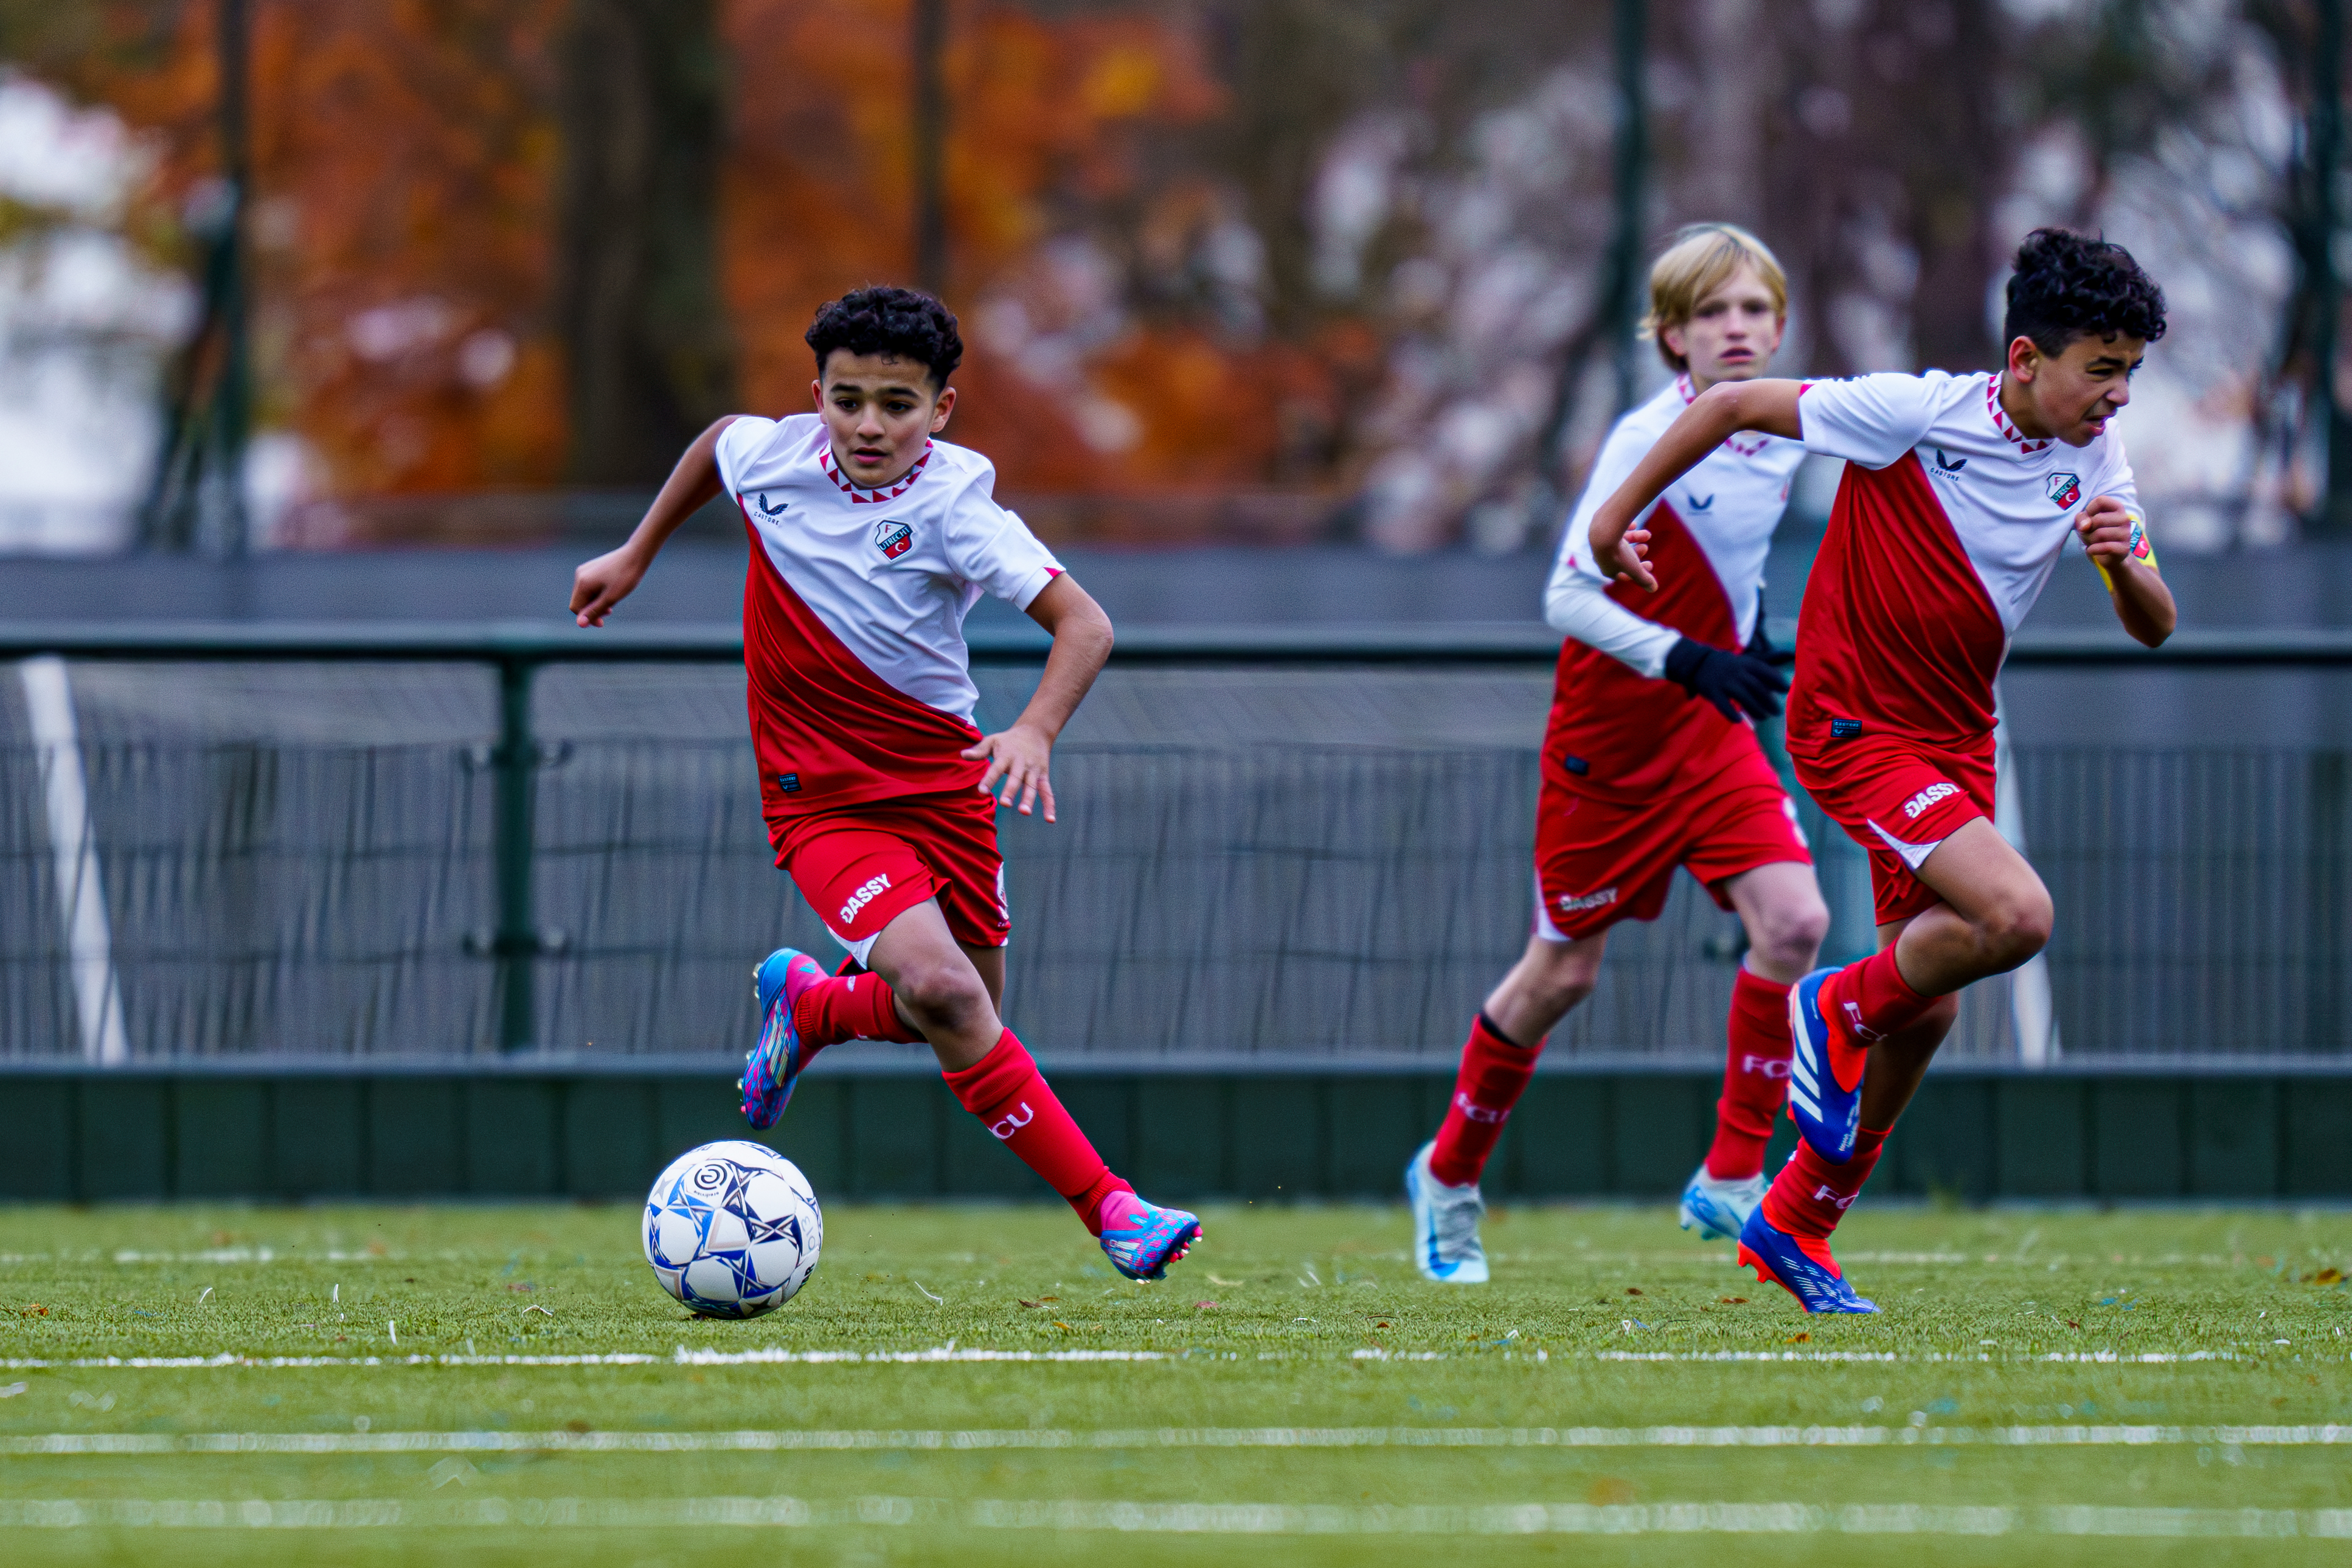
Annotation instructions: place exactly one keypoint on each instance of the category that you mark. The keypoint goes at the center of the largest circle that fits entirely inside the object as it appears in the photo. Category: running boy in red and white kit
(870, 542)
(1640, 778)
(1959, 493)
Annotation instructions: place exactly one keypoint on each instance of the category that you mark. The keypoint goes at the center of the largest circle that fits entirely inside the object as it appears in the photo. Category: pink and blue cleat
(1801, 1265)
(775, 1062)
(1142, 1239)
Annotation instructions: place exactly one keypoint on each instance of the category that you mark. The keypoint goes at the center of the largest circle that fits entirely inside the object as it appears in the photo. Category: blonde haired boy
(1649, 763)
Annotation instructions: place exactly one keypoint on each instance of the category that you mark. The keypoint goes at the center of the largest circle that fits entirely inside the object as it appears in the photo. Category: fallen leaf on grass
(1633, 1289)
(524, 1285)
(1798, 1338)
(2074, 1323)
(1064, 1327)
(2329, 1276)
(34, 1310)
(535, 1308)
(576, 1425)
(1380, 1325)
(1204, 1306)
(1039, 1301)
(1733, 1300)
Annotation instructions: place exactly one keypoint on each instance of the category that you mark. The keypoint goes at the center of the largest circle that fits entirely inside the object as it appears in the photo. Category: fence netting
(1325, 862)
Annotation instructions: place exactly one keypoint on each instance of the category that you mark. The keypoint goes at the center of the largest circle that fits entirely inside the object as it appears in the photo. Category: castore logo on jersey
(2065, 490)
(893, 538)
(1945, 465)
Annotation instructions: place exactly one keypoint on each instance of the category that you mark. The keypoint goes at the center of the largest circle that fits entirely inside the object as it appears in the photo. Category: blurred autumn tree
(401, 223)
(1294, 251)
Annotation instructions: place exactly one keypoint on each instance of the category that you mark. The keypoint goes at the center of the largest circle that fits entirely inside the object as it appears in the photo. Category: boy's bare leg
(941, 990)
(1996, 913)
(1551, 978)
(1780, 906)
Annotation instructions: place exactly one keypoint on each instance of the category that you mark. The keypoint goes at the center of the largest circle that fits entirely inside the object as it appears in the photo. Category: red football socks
(1755, 1077)
(1493, 1074)
(859, 1006)
(1867, 1000)
(1012, 1098)
(1809, 1195)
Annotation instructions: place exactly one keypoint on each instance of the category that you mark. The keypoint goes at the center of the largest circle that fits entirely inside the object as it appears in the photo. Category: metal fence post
(517, 944)
(2324, 975)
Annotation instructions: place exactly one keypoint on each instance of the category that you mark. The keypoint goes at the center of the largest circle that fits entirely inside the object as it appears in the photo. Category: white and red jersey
(853, 614)
(1946, 527)
(1619, 732)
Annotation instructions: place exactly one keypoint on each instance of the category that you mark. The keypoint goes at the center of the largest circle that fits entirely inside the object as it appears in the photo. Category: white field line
(86, 1444)
(1187, 1517)
(950, 1353)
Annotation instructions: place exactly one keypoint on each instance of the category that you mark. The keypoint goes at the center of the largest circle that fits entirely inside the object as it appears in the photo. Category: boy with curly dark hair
(1959, 493)
(870, 542)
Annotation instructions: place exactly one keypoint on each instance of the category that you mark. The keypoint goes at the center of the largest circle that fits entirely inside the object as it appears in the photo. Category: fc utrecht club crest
(2065, 490)
(893, 538)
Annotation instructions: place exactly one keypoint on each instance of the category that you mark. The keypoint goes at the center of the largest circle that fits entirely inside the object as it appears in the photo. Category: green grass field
(2135, 1386)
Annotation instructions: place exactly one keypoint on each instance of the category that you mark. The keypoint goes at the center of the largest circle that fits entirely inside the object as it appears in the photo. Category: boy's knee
(1566, 982)
(942, 992)
(1789, 936)
(2017, 928)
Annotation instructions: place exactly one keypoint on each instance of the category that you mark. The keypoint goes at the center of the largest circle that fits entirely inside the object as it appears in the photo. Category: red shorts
(860, 867)
(1898, 799)
(1598, 862)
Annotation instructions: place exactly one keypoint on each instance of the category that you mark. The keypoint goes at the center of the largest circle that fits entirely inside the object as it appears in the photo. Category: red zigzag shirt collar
(906, 481)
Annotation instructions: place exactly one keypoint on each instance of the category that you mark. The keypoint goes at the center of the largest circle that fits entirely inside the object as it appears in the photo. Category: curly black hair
(2068, 286)
(887, 320)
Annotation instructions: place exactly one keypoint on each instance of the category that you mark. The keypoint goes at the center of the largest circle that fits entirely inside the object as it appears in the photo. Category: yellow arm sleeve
(2143, 550)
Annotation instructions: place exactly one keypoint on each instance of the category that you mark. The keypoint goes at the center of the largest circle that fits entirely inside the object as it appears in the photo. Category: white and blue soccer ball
(732, 1229)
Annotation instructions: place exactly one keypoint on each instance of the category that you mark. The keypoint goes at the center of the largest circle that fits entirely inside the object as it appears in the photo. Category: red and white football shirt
(853, 614)
(1617, 730)
(1945, 529)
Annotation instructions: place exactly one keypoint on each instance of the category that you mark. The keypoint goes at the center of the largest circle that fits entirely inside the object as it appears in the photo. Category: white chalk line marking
(1169, 1517)
(101, 1443)
(950, 1353)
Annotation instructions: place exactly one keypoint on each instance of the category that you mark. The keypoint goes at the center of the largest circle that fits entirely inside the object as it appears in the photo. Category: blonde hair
(1699, 260)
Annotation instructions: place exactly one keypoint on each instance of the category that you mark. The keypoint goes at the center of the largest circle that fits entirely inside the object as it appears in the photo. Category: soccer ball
(732, 1229)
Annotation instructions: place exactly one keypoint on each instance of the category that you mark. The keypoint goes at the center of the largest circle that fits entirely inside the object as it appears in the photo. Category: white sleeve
(1576, 607)
(1576, 601)
(993, 548)
(743, 437)
(1869, 419)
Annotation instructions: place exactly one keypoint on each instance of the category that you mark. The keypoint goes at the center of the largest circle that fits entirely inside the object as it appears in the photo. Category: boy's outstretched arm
(601, 583)
(1082, 639)
(2142, 601)
(1717, 414)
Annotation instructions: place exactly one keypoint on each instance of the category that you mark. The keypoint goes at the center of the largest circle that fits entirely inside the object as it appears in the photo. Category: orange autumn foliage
(405, 155)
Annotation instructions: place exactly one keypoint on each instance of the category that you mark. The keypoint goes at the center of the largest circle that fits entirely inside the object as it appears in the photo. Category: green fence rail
(518, 651)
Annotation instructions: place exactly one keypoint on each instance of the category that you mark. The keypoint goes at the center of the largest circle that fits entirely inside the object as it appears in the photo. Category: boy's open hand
(2106, 526)
(601, 583)
(1017, 757)
(1630, 562)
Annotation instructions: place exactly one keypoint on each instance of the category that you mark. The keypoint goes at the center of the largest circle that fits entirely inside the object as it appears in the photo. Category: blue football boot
(1446, 1246)
(1797, 1263)
(1717, 1209)
(1827, 1111)
(775, 1062)
(1142, 1239)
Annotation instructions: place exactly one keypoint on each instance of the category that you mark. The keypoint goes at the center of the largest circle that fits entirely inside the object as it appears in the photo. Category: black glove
(1731, 681)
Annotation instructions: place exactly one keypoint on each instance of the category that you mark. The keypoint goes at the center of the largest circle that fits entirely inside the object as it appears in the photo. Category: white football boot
(1717, 1209)
(1444, 1226)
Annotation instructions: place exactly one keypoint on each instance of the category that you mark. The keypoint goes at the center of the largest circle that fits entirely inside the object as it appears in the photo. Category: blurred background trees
(1270, 269)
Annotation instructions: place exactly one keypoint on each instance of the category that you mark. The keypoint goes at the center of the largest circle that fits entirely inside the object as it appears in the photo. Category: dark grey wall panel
(93, 1136)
